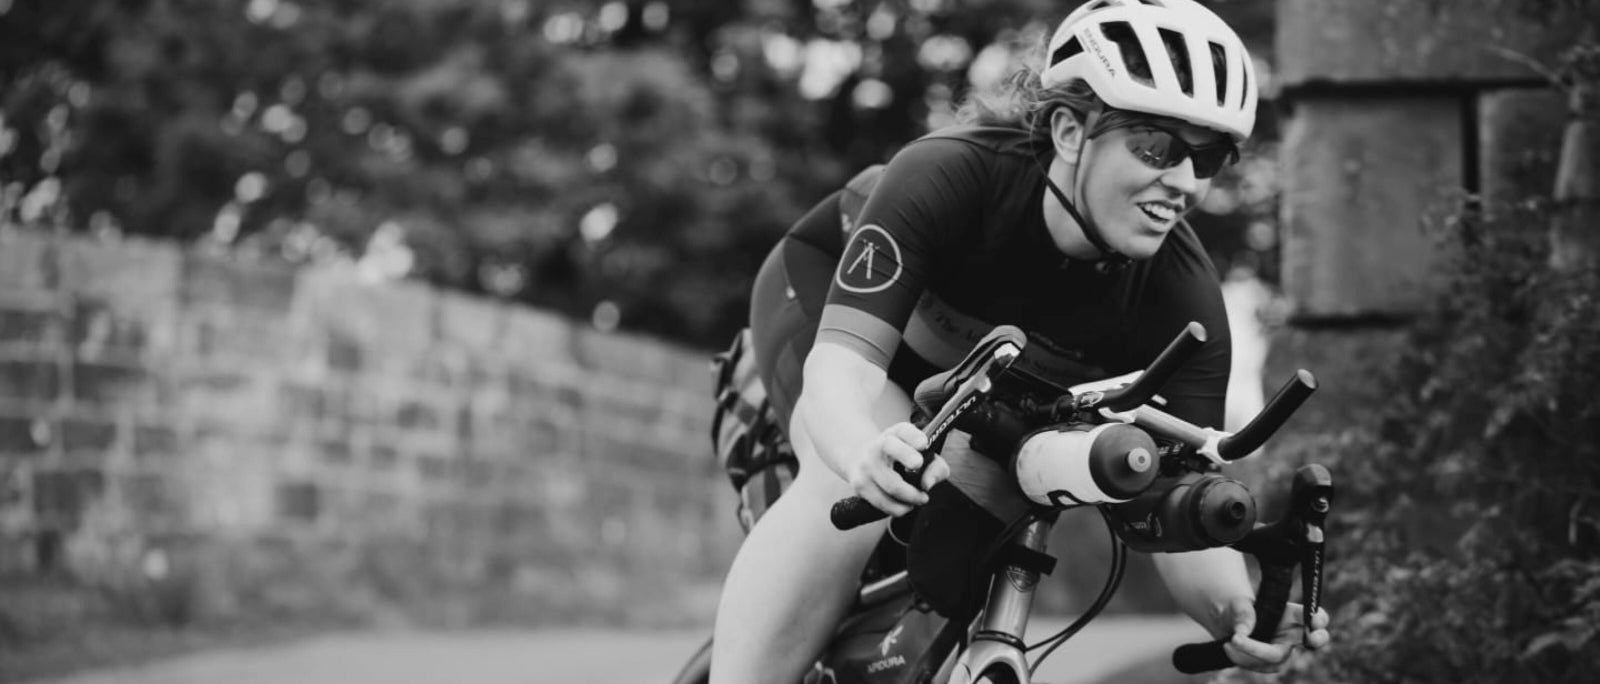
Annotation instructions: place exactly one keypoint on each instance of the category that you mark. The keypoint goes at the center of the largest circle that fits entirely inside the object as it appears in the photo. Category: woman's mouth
(1160, 212)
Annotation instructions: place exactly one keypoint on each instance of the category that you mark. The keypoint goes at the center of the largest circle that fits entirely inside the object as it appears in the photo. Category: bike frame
(996, 642)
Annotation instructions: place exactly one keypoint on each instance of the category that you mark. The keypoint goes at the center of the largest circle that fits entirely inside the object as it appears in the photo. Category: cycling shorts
(785, 308)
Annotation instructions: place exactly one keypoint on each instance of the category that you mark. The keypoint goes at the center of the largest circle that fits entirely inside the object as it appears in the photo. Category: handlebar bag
(956, 537)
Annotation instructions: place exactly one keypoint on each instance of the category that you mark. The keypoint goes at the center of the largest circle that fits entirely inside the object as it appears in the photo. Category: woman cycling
(1056, 208)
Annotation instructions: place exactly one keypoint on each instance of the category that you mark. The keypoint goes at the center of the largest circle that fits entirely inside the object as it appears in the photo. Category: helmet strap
(1110, 259)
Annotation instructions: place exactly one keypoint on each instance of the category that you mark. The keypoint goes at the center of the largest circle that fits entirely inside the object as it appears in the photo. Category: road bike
(1156, 479)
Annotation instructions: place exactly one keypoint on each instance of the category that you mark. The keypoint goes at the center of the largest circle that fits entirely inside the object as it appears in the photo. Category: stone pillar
(1394, 110)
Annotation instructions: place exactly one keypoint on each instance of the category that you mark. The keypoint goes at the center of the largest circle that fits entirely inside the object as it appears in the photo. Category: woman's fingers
(1254, 655)
(903, 444)
(895, 486)
(882, 485)
(938, 471)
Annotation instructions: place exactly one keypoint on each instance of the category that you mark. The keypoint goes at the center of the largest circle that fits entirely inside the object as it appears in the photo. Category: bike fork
(997, 645)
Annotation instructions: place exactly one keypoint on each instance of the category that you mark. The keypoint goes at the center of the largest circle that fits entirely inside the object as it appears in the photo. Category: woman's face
(1134, 204)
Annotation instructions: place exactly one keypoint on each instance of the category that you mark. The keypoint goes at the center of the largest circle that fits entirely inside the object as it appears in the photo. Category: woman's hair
(1021, 101)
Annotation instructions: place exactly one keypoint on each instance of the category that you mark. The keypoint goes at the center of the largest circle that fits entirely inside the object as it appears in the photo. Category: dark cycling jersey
(952, 241)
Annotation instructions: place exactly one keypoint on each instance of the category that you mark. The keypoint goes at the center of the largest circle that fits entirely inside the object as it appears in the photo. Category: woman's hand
(1257, 656)
(871, 470)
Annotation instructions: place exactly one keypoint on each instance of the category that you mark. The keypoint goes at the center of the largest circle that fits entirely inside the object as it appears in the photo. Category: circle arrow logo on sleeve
(871, 262)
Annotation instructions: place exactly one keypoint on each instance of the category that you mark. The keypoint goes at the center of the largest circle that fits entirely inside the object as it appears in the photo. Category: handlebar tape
(852, 512)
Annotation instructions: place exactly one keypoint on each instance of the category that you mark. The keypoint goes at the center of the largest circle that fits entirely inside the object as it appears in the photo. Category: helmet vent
(1066, 51)
(1219, 66)
(1178, 50)
(1245, 79)
(1133, 56)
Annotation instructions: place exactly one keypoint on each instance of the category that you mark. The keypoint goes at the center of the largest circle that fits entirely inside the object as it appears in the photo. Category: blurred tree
(628, 161)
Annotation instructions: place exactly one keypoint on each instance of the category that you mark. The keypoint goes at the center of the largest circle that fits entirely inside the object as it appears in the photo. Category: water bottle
(1187, 512)
(1081, 464)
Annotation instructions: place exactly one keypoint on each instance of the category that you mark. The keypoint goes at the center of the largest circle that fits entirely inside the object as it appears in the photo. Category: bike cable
(1119, 557)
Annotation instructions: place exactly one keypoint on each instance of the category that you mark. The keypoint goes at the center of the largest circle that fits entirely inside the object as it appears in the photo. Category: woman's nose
(1182, 179)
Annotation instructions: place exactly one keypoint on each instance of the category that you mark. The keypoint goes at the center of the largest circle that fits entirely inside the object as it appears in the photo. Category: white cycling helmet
(1125, 49)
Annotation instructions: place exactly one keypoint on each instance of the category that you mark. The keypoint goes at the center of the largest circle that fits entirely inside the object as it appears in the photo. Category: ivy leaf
(1544, 642)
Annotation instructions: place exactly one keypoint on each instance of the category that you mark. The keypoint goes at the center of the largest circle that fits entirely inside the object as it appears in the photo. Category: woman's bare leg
(791, 582)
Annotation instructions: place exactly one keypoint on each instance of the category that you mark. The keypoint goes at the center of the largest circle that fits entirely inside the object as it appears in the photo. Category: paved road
(568, 657)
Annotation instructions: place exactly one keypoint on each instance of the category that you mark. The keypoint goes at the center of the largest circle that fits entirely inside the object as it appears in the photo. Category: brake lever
(995, 353)
(1296, 539)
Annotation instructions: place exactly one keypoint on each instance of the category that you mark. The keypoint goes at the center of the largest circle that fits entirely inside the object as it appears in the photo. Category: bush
(1466, 546)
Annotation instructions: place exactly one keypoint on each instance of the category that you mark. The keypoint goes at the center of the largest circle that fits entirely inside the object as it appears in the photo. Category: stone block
(544, 384)
(155, 500)
(394, 319)
(266, 288)
(1519, 134)
(636, 405)
(246, 401)
(235, 336)
(33, 381)
(301, 501)
(156, 441)
(131, 272)
(626, 356)
(691, 374)
(446, 366)
(384, 456)
(80, 435)
(337, 453)
(436, 468)
(478, 475)
(104, 384)
(1360, 177)
(607, 452)
(102, 332)
(25, 435)
(1417, 40)
(60, 497)
(28, 261)
(30, 332)
(417, 415)
(532, 338)
(343, 352)
(474, 323)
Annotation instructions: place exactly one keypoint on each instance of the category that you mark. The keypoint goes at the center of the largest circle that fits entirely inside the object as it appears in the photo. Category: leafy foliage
(1472, 503)
(626, 160)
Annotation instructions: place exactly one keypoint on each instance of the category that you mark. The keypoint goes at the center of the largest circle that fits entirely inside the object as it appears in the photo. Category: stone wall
(201, 438)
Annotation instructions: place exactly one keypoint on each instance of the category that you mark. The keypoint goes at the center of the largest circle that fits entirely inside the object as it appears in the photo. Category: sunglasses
(1160, 148)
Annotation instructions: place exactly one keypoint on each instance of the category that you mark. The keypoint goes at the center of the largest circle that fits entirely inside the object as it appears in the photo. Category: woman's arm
(855, 419)
(1213, 587)
(1205, 583)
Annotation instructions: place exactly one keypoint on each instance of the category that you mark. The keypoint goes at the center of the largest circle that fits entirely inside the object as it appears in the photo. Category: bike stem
(998, 641)
(1005, 618)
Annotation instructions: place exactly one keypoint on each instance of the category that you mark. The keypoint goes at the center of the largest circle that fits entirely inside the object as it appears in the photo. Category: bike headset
(1163, 58)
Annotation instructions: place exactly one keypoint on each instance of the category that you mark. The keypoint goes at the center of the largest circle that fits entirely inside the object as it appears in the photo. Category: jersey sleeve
(928, 196)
